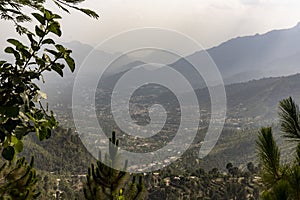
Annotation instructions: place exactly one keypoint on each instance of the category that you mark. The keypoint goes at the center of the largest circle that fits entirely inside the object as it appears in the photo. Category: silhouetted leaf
(39, 32)
(71, 63)
(61, 7)
(89, 13)
(54, 27)
(8, 153)
(52, 52)
(25, 53)
(56, 67)
(48, 41)
(48, 14)
(39, 17)
(15, 42)
(9, 50)
(55, 16)
(60, 48)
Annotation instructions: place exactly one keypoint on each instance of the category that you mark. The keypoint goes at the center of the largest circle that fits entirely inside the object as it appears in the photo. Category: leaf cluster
(19, 94)
(12, 10)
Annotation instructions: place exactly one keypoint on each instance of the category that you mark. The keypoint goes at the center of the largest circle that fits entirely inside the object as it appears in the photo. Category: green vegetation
(63, 167)
(21, 108)
(19, 94)
(105, 182)
(281, 181)
(18, 180)
(13, 10)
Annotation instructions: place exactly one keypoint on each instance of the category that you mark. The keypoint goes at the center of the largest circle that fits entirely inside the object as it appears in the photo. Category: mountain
(63, 151)
(256, 98)
(276, 53)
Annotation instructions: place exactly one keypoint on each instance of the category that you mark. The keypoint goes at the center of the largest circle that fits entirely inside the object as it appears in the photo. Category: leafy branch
(12, 10)
(18, 92)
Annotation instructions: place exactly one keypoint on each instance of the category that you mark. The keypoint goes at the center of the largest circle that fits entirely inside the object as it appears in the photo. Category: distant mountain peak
(275, 53)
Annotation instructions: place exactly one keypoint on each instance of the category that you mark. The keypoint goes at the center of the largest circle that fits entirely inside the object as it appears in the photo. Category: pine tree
(269, 155)
(105, 182)
(18, 180)
(281, 181)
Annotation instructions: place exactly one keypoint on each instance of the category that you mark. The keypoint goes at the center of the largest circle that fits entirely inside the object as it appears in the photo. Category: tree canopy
(21, 108)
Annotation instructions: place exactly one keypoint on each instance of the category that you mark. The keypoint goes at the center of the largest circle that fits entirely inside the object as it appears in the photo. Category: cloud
(251, 2)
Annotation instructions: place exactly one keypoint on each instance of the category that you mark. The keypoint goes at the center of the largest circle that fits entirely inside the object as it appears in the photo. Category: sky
(209, 22)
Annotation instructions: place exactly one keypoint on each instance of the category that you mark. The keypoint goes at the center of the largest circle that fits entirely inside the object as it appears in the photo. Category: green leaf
(19, 146)
(90, 13)
(60, 48)
(57, 67)
(48, 41)
(39, 31)
(45, 133)
(55, 16)
(39, 17)
(60, 6)
(10, 125)
(48, 14)
(52, 52)
(8, 153)
(40, 62)
(54, 27)
(37, 131)
(71, 63)
(14, 140)
(25, 53)
(30, 37)
(9, 50)
(35, 46)
(15, 42)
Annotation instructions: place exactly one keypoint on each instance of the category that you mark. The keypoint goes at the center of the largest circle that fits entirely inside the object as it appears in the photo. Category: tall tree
(281, 181)
(105, 182)
(19, 94)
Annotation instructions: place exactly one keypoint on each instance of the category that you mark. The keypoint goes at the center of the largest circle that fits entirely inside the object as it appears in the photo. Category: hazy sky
(210, 22)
